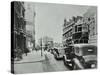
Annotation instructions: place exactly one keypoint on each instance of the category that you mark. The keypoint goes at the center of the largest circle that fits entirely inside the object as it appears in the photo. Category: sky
(49, 18)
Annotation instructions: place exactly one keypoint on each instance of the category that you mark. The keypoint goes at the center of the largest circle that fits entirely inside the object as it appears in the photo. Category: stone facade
(90, 19)
(19, 31)
(30, 24)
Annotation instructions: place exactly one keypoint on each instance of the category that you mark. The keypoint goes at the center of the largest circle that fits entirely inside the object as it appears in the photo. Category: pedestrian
(36, 49)
(56, 50)
(19, 53)
(26, 51)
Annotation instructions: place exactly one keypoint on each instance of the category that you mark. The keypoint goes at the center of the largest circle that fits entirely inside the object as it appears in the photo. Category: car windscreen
(89, 51)
(68, 50)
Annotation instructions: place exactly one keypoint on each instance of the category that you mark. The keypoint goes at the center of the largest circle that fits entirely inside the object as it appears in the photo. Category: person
(45, 48)
(26, 51)
(19, 53)
(36, 49)
(56, 50)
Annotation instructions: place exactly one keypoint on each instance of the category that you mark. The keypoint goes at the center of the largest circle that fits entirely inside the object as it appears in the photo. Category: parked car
(68, 56)
(52, 51)
(82, 56)
(57, 54)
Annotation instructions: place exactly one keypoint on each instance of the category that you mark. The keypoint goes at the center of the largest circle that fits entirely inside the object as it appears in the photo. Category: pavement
(34, 56)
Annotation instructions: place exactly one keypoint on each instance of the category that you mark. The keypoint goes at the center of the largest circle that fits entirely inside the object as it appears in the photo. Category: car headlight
(93, 65)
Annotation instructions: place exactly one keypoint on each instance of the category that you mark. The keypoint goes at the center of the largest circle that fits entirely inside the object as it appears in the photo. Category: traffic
(77, 56)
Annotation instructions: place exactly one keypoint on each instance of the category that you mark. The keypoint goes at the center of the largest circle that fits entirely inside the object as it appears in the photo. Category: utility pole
(41, 47)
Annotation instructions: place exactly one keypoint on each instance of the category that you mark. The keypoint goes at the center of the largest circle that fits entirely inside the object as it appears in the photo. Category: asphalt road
(51, 64)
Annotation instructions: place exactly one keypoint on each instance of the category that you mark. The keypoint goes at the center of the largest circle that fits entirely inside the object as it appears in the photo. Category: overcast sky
(50, 18)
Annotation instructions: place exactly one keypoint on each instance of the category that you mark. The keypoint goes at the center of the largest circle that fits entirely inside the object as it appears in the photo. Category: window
(71, 33)
(81, 41)
(93, 28)
(76, 41)
(79, 28)
(85, 41)
(89, 50)
(75, 28)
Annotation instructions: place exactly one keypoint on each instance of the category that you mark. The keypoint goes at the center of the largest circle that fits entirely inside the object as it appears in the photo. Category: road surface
(51, 64)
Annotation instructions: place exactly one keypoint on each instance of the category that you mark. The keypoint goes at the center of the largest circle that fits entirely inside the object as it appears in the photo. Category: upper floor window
(75, 28)
(79, 28)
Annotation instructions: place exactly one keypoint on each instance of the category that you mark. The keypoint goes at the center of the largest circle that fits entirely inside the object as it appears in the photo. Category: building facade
(74, 31)
(67, 32)
(19, 31)
(80, 31)
(90, 19)
(29, 43)
(30, 24)
(46, 42)
(58, 45)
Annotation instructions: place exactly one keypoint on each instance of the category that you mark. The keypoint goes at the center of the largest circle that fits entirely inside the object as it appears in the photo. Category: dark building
(18, 26)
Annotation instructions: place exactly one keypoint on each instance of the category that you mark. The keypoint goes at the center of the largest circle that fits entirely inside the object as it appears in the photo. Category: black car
(85, 56)
(68, 56)
(57, 54)
(81, 56)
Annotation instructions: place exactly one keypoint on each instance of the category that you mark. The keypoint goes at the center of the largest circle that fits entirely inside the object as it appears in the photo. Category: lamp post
(41, 47)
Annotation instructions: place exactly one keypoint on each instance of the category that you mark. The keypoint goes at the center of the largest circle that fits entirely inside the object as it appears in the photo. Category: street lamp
(41, 47)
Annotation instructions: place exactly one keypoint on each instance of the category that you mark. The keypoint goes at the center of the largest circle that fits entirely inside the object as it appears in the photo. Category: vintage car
(57, 54)
(68, 56)
(82, 56)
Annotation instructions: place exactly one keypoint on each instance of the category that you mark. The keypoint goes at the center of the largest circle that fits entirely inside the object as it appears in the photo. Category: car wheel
(64, 60)
(74, 67)
(55, 56)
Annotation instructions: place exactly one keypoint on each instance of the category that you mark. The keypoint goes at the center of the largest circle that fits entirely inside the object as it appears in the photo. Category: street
(51, 64)
(33, 63)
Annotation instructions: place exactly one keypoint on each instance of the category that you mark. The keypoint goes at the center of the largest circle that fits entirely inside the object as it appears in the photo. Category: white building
(30, 23)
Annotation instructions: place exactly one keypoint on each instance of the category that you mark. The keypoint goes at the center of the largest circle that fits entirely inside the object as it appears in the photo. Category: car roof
(83, 45)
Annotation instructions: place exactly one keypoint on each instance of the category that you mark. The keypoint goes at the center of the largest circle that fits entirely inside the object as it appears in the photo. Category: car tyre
(74, 67)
